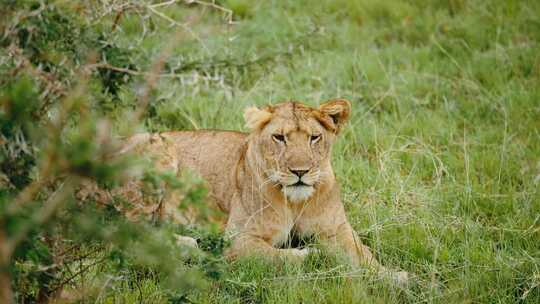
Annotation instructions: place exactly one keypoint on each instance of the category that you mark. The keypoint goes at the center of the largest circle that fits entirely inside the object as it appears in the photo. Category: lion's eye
(315, 138)
(278, 138)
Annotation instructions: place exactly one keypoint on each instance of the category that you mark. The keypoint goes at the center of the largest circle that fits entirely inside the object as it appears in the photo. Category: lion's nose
(299, 173)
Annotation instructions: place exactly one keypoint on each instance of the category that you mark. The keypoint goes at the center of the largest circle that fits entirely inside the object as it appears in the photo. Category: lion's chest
(281, 226)
(288, 227)
(281, 233)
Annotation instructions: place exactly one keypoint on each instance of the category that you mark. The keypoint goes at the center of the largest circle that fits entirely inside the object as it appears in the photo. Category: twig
(117, 19)
(174, 22)
(6, 292)
(81, 271)
(215, 6)
(165, 3)
(114, 68)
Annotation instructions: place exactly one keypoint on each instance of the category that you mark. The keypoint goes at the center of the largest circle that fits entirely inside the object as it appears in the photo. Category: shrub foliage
(55, 135)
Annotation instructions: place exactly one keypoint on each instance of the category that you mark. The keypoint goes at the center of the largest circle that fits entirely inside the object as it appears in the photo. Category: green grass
(439, 166)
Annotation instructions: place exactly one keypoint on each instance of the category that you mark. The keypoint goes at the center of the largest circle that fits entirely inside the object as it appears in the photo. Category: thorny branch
(209, 64)
(119, 10)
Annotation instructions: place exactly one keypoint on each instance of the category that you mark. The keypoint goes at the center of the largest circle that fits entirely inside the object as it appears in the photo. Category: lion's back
(214, 155)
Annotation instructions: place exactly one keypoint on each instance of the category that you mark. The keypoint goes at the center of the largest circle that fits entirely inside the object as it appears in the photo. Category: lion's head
(291, 144)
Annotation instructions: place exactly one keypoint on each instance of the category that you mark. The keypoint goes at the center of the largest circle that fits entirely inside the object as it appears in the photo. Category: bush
(53, 138)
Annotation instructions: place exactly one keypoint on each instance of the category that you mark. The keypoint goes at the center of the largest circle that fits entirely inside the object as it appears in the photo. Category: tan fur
(249, 177)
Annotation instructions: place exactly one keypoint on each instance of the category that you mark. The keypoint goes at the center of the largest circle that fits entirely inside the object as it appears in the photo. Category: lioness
(275, 180)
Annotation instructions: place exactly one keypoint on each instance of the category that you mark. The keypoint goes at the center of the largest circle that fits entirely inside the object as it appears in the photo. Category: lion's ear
(257, 118)
(334, 114)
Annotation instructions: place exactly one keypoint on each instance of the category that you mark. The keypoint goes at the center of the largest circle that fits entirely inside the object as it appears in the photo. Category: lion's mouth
(297, 185)
(298, 191)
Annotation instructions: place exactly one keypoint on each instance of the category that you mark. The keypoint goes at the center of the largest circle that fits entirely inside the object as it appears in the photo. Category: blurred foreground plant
(52, 140)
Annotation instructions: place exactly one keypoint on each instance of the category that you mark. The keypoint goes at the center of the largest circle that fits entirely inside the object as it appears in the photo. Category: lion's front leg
(249, 245)
(346, 240)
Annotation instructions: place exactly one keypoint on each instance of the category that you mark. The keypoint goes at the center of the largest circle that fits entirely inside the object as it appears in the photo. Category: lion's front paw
(186, 241)
(300, 254)
(399, 278)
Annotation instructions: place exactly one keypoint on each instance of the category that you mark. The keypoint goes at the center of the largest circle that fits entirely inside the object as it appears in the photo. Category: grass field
(439, 165)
